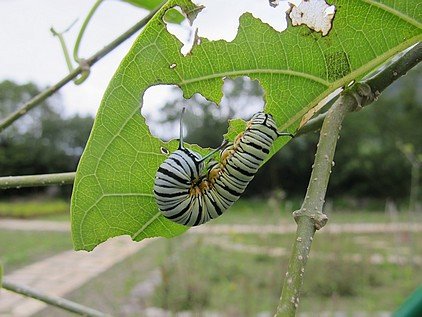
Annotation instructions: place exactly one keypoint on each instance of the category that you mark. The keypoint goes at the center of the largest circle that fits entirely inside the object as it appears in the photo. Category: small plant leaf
(146, 4)
(172, 16)
(297, 68)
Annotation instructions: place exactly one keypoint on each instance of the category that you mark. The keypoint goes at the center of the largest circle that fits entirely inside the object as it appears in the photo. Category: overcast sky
(30, 53)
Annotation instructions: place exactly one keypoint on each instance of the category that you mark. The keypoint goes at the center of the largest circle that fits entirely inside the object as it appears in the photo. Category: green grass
(55, 217)
(33, 208)
(20, 248)
(209, 278)
(367, 244)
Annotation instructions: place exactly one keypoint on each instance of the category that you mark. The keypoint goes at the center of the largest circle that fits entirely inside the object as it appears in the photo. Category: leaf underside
(297, 68)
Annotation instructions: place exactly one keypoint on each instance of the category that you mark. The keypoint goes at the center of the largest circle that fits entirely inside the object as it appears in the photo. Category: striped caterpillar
(191, 193)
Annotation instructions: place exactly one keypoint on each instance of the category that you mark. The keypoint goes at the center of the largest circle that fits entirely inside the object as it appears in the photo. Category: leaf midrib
(256, 71)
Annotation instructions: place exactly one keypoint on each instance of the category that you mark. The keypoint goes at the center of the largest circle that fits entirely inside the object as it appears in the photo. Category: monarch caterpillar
(190, 193)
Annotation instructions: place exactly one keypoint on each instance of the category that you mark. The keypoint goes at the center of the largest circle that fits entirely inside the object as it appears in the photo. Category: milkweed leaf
(297, 68)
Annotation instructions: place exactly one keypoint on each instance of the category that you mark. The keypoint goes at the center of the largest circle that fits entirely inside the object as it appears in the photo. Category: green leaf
(297, 68)
(172, 16)
(145, 4)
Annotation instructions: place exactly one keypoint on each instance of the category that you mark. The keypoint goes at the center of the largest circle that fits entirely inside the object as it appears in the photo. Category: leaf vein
(393, 11)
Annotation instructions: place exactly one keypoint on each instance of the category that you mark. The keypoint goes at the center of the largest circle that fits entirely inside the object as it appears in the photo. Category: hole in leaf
(204, 122)
(183, 31)
(316, 14)
(219, 20)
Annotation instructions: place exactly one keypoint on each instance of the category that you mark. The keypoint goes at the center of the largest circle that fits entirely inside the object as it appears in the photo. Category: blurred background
(353, 269)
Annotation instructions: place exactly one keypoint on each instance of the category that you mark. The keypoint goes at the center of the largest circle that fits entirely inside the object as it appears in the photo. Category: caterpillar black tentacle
(190, 192)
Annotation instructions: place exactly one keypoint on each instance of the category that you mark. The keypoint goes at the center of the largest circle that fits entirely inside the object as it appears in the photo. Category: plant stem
(86, 72)
(83, 67)
(36, 180)
(310, 217)
(399, 66)
(82, 30)
(64, 48)
(53, 300)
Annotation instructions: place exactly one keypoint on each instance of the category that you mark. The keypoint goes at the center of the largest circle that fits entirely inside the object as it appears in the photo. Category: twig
(82, 30)
(81, 68)
(310, 217)
(85, 73)
(396, 69)
(81, 61)
(37, 180)
(63, 44)
(53, 300)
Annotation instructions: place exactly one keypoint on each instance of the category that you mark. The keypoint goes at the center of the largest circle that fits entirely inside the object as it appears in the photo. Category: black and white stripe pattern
(191, 193)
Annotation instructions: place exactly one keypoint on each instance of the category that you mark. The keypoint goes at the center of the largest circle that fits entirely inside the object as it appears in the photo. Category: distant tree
(12, 95)
(44, 141)
(371, 163)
